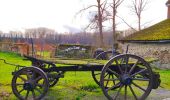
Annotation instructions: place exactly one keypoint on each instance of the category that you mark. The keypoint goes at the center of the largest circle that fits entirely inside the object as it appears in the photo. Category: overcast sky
(59, 14)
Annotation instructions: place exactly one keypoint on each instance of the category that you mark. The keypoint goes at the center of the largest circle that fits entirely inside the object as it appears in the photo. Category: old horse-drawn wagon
(121, 77)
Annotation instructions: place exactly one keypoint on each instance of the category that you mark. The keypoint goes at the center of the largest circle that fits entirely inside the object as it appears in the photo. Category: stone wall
(158, 51)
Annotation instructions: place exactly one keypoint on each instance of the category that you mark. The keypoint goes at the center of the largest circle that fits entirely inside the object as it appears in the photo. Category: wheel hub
(28, 86)
(126, 79)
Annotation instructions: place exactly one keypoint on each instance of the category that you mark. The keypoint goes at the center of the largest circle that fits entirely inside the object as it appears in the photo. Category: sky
(18, 15)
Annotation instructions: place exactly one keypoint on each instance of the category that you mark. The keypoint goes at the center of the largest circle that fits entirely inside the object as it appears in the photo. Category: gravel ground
(159, 94)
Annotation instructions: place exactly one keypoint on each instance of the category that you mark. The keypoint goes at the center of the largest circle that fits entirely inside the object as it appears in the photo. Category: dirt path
(156, 94)
(159, 94)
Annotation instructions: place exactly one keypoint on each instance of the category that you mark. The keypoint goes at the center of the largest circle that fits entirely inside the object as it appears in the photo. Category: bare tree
(98, 18)
(124, 21)
(115, 4)
(1, 35)
(137, 7)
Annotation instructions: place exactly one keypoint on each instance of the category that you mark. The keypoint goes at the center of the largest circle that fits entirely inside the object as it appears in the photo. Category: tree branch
(86, 9)
(126, 23)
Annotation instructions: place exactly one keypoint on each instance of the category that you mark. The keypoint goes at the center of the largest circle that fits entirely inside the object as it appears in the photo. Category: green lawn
(75, 85)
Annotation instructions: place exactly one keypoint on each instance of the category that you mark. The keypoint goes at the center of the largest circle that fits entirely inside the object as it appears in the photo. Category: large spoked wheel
(104, 55)
(96, 74)
(30, 83)
(133, 78)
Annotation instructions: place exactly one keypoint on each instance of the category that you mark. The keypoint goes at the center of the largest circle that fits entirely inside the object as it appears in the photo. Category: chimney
(168, 5)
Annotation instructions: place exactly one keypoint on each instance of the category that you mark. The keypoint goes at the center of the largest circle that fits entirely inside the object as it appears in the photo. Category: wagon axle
(28, 86)
(126, 79)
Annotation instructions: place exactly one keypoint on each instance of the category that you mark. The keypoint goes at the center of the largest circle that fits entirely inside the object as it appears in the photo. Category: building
(152, 42)
(20, 48)
(168, 5)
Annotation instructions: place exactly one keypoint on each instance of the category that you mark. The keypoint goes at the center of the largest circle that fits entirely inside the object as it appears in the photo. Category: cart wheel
(104, 55)
(134, 78)
(30, 83)
(51, 78)
(96, 74)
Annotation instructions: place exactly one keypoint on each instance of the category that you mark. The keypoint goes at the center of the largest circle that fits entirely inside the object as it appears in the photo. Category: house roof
(157, 32)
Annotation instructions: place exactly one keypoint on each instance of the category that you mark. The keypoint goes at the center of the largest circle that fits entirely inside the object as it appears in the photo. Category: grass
(45, 54)
(165, 78)
(74, 86)
(5, 70)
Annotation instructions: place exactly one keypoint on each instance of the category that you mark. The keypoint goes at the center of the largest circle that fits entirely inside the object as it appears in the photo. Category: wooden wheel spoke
(138, 72)
(118, 92)
(122, 60)
(133, 92)
(38, 90)
(34, 75)
(33, 94)
(38, 78)
(113, 72)
(133, 67)
(19, 84)
(138, 86)
(27, 95)
(107, 81)
(114, 79)
(20, 91)
(28, 74)
(106, 75)
(117, 64)
(22, 78)
(127, 64)
(141, 79)
(39, 85)
(111, 79)
(113, 87)
(125, 96)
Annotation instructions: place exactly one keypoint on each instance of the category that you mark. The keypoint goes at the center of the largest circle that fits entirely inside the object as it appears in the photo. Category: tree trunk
(139, 22)
(100, 24)
(114, 27)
